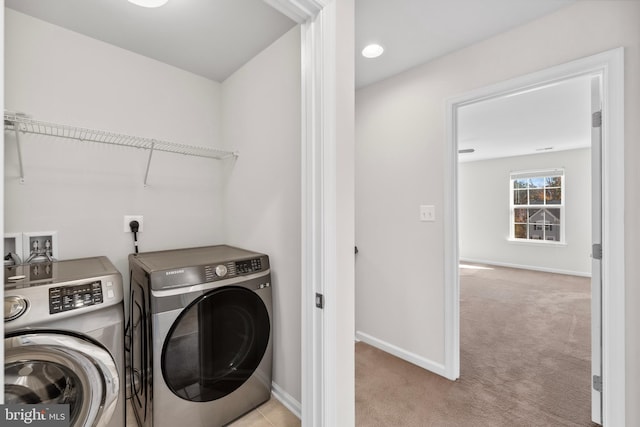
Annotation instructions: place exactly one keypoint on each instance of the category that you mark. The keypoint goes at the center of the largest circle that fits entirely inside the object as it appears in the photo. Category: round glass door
(216, 344)
(48, 368)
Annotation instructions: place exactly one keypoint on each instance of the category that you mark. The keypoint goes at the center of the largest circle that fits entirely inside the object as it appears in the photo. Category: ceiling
(211, 38)
(416, 31)
(555, 117)
(214, 38)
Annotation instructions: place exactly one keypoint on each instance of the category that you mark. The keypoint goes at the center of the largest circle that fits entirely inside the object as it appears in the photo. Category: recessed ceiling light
(149, 3)
(372, 51)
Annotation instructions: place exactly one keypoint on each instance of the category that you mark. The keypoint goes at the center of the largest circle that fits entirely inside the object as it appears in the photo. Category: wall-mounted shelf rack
(21, 123)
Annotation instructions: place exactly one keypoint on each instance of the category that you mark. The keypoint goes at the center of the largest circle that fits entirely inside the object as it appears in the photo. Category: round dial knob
(14, 307)
(221, 270)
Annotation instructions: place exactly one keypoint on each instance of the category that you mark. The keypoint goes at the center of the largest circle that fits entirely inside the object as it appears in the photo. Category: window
(537, 206)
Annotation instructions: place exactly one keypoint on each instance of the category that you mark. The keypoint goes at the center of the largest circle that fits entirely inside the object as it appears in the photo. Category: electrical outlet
(129, 218)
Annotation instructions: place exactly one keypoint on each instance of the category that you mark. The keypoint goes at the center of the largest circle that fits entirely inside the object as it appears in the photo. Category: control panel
(65, 298)
(248, 266)
(231, 269)
(207, 273)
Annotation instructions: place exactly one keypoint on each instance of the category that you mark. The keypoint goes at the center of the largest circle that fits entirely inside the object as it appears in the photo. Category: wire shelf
(21, 123)
(13, 121)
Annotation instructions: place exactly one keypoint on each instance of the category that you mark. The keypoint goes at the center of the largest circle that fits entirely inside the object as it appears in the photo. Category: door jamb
(611, 65)
(318, 174)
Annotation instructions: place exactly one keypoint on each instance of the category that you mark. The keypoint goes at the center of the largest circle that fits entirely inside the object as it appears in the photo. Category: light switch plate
(427, 213)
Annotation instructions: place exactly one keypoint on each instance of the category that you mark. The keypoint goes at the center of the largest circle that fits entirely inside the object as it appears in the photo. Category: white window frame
(543, 173)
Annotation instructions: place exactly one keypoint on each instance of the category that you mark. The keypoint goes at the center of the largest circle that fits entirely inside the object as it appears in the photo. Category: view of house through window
(537, 205)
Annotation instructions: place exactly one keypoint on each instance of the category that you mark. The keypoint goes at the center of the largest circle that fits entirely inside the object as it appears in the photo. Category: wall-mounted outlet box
(39, 246)
(129, 218)
(427, 213)
(13, 254)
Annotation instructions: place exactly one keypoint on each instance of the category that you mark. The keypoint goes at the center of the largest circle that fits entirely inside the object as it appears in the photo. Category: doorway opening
(609, 67)
(524, 197)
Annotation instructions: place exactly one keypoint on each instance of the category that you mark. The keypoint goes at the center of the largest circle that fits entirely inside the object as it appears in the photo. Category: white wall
(262, 195)
(400, 144)
(484, 195)
(83, 190)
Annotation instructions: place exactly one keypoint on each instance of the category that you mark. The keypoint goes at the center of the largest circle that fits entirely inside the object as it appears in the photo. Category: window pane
(553, 196)
(553, 181)
(520, 231)
(553, 216)
(520, 215)
(553, 233)
(536, 182)
(520, 197)
(536, 215)
(536, 232)
(520, 183)
(536, 197)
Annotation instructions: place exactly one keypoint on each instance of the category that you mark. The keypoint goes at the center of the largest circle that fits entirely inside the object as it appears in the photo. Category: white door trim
(319, 233)
(318, 176)
(611, 65)
(596, 238)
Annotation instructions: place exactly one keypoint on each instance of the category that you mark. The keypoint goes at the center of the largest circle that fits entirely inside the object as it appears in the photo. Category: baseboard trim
(527, 267)
(285, 398)
(429, 365)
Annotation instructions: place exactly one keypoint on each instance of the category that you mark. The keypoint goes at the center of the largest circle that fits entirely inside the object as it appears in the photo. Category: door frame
(321, 387)
(610, 64)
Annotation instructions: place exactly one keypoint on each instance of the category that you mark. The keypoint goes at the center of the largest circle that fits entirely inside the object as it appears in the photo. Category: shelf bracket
(19, 147)
(146, 174)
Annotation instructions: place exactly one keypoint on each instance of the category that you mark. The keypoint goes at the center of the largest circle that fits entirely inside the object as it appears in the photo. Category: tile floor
(270, 414)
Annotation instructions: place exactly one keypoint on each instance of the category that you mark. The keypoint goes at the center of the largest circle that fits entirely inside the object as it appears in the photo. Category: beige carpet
(525, 359)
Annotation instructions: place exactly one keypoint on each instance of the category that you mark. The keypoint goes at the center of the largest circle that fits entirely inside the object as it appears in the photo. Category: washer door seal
(47, 367)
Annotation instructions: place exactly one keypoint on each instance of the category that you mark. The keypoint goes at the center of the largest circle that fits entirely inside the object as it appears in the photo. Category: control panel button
(221, 270)
(14, 307)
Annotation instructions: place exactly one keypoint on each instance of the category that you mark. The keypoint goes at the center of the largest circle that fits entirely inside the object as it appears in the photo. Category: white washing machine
(201, 349)
(64, 339)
